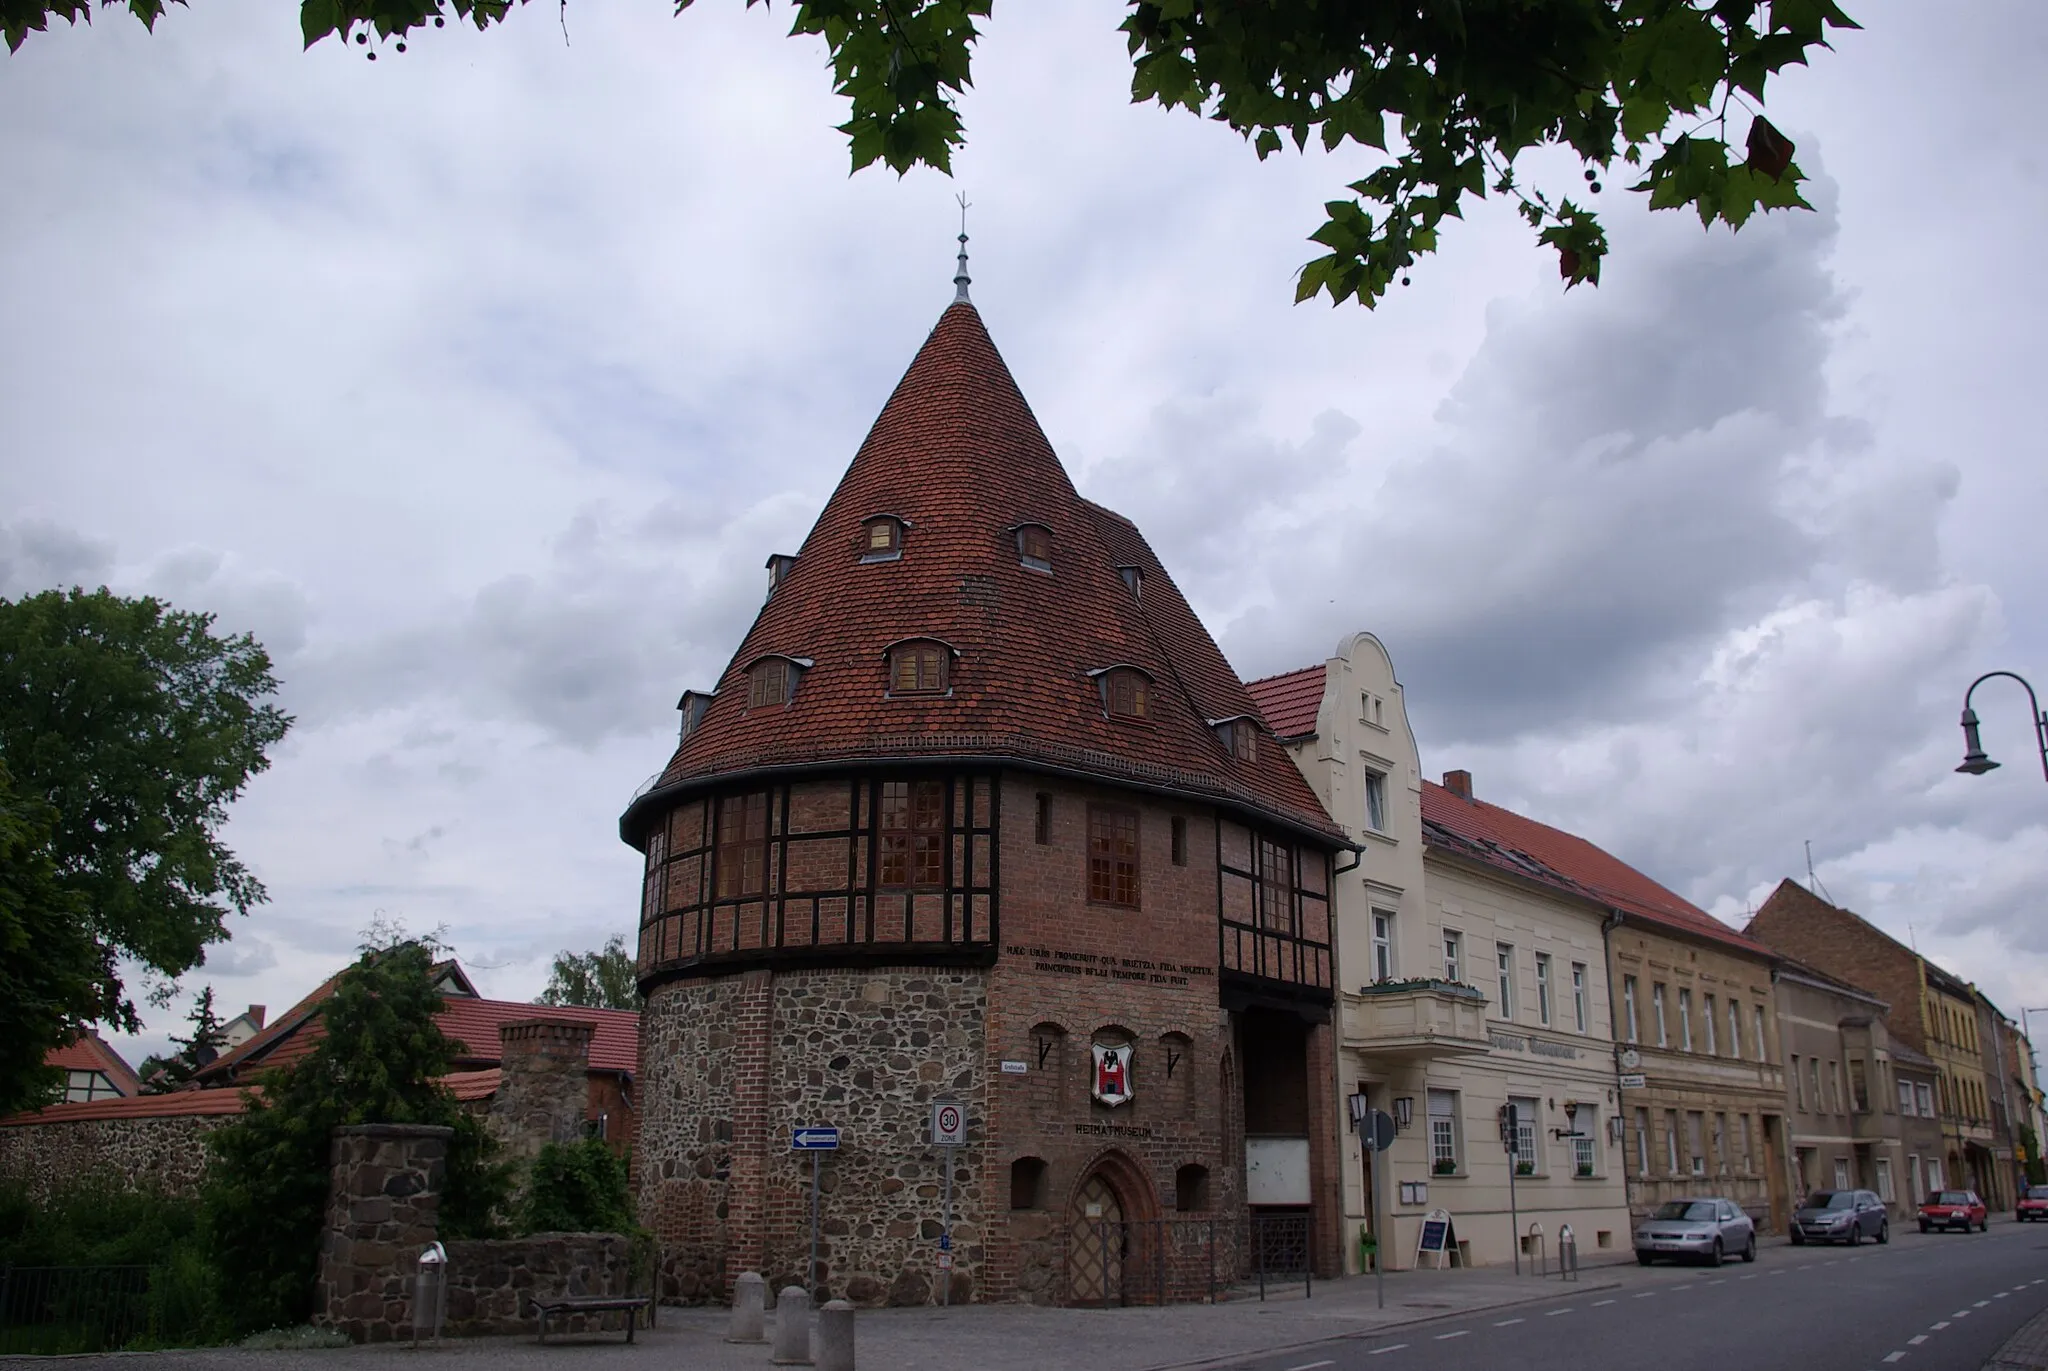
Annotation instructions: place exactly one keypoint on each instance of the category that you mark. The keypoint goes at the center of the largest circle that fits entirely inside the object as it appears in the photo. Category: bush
(379, 1061)
(577, 1188)
(100, 1222)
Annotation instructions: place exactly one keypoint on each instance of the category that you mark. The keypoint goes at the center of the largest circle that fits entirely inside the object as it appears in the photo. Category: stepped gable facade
(978, 813)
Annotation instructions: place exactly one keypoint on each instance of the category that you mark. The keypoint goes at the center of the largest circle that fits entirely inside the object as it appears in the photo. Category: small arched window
(1027, 1183)
(1034, 546)
(881, 538)
(1126, 692)
(920, 667)
(772, 681)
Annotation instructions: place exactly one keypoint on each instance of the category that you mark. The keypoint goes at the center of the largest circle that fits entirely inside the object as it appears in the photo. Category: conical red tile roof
(957, 454)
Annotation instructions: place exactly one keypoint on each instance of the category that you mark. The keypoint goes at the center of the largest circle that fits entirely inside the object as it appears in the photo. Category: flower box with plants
(1444, 1166)
(1525, 1168)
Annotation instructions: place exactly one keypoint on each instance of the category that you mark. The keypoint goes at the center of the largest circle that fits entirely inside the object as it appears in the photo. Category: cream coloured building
(1467, 980)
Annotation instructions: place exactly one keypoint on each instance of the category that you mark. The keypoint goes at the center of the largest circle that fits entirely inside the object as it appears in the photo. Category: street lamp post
(1975, 763)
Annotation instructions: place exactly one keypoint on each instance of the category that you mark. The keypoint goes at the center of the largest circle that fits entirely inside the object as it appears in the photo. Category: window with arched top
(1034, 546)
(921, 667)
(772, 681)
(1126, 692)
(881, 538)
(1240, 737)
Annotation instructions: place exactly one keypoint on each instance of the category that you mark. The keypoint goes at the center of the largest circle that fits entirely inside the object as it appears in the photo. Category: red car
(1954, 1209)
(2033, 1204)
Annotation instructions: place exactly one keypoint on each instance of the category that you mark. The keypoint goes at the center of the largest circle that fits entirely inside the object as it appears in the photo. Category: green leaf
(1268, 143)
(318, 18)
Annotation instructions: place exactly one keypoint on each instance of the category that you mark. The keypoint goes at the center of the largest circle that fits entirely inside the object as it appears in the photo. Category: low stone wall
(489, 1282)
(168, 1153)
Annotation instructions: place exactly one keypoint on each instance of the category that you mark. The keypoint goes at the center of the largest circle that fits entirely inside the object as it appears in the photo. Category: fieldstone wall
(490, 1282)
(543, 1085)
(731, 1066)
(383, 1208)
(168, 1153)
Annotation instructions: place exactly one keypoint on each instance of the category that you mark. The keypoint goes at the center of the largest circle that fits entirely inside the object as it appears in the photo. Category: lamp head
(1975, 763)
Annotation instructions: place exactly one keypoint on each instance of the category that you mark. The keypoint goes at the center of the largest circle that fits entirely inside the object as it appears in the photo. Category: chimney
(543, 1085)
(255, 1015)
(1459, 783)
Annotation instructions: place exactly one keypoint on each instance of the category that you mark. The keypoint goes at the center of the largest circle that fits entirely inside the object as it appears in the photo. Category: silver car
(1710, 1230)
(1847, 1216)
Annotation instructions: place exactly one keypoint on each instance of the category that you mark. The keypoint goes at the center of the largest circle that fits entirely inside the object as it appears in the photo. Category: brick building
(1932, 1012)
(979, 813)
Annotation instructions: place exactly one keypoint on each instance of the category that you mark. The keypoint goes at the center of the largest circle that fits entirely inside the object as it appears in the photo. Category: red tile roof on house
(177, 1103)
(1291, 700)
(958, 456)
(90, 1052)
(471, 1022)
(1534, 851)
(469, 1086)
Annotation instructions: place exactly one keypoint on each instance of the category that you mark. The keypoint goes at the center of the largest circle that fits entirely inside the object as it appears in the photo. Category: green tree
(1439, 98)
(379, 1060)
(161, 1074)
(606, 979)
(135, 726)
(50, 969)
(577, 1187)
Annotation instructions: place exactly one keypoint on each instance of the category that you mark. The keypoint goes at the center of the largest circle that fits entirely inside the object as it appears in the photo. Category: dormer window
(1126, 692)
(1133, 579)
(921, 666)
(1239, 736)
(772, 680)
(882, 538)
(1034, 546)
(692, 705)
(779, 566)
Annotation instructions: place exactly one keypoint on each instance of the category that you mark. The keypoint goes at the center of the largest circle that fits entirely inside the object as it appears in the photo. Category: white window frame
(1642, 1141)
(1935, 1179)
(1528, 1119)
(1906, 1099)
(1504, 978)
(1543, 988)
(1657, 1008)
(1444, 1142)
(1671, 1142)
(1885, 1190)
(1735, 1029)
(1383, 944)
(1376, 800)
(1842, 1173)
(1586, 1147)
(1454, 955)
(1761, 1045)
(1579, 1004)
(1707, 1008)
(1720, 1142)
(1798, 1086)
(1628, 1009)
(1685, 1018)
(1913, 1178)
(1695, 1141)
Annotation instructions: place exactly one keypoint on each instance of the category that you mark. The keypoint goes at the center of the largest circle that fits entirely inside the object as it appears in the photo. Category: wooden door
(1095, 1243)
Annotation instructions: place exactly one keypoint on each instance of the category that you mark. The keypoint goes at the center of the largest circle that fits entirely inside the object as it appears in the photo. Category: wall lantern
(1404, 1111)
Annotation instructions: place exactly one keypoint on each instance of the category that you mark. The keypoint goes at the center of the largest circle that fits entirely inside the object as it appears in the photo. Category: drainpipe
(1607, 927)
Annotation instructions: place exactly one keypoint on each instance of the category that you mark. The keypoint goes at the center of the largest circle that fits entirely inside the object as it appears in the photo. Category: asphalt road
(1943, 1302)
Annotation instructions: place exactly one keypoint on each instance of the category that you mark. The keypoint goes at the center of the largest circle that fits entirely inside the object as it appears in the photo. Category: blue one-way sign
(814, 1140)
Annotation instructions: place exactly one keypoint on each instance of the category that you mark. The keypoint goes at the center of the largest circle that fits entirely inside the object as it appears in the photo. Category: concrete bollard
(835, 1337)
(792, 1327)
(749, 1309)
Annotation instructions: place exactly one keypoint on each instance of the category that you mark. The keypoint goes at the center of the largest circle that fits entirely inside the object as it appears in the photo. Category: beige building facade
(1463, 988)
(1844, 1093)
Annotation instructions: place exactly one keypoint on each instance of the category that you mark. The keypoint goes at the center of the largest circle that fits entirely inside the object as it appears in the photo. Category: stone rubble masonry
(490, 1282)
(168, 1152)
(731, 1066)
(383, 1208)
(543, 1087)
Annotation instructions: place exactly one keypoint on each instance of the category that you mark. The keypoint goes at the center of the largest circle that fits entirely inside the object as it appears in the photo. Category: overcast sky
(478, 382)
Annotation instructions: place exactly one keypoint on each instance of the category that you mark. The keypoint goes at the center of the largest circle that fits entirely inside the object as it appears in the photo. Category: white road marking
(1508, 1323)
(1750, 1277)
(1916, 1340)
(1555, 1312)
(1894, 1356)
(1310, 1365)
(2001, 1294)
(1939, 1326)
(1598, 1303)
(1381, 1351)
(1719, 1280)
(1980, 1304)
(1444, 1337)
(1960, 1314)
(1686, 1286)
(1646, 1295)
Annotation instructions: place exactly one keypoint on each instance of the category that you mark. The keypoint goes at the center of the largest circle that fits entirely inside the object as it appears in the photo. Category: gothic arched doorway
(1100, 1213)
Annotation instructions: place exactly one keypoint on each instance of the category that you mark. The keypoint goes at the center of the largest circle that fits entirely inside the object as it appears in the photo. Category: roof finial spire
(960, 277)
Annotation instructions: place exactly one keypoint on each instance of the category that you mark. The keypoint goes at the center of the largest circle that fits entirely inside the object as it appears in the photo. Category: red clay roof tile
(90, 1052)
(957, 454)
(177, 1103)
(1291, 700)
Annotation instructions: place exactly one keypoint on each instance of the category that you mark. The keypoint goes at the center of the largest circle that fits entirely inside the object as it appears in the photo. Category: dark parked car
(1713, 1229)
(2033, 1204)
(1954, 1209)
(1847, 1216)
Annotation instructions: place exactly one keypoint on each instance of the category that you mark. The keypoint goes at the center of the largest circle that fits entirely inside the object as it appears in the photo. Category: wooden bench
(593, 1304)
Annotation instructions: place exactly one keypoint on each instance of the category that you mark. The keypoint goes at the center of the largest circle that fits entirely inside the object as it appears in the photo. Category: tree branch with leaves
(1444, 97)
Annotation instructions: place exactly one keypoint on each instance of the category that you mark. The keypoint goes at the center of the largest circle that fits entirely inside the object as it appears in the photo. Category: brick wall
(1805, 927)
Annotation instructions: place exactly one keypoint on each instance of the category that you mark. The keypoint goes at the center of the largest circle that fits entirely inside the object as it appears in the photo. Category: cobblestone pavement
(2026, 1350)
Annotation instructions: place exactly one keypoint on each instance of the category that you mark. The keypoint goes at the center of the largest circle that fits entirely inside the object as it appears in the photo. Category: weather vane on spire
(960, 277)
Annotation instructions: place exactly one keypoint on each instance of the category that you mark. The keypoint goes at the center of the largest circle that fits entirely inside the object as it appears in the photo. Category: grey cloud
(36, 554)
(247, 955)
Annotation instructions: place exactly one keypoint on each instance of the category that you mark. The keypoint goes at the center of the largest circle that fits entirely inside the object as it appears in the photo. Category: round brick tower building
(979, 813)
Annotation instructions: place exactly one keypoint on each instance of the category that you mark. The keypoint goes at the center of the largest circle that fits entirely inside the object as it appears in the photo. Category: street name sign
(814, 1140)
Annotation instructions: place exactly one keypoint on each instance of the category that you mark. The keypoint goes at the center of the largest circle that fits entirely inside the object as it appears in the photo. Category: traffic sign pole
(949, 1130)
(816, 1158)
(816, 1141)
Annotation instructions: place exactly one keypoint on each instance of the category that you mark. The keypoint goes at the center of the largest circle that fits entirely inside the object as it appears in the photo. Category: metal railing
(54, 1309)
(1185, 1261)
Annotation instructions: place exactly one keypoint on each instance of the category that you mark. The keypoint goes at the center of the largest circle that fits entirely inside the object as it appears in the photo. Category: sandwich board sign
(1436, 1237)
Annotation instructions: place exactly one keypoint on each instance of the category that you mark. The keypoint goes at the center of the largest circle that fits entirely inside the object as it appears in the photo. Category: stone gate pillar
(383, 1206)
